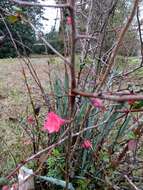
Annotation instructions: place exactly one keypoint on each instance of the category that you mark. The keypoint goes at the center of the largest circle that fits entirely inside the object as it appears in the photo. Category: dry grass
(15, 104)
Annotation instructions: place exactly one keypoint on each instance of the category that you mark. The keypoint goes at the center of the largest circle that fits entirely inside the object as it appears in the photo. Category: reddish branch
(140, 34)
(116, 98)
(73, 86)
(138, 133)
(35, 156)
(74, 91)
(128, 110)
(49, 148)
(73, 41)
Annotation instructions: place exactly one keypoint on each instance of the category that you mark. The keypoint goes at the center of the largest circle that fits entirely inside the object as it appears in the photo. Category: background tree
(54, 39)
(21, 32)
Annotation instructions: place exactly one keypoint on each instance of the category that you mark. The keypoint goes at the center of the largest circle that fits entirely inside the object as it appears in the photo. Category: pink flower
(97, 102)
(15, 186)
(132, 145)
(131, 102)
(53, 123)
(87, 144)
(30, 120)
(5, 187)
(69, 20)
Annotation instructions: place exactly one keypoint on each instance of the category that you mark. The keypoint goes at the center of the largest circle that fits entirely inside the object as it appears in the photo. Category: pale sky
(51, 14)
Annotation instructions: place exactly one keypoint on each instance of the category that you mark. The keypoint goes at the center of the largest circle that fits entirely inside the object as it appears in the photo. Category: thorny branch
(73, 91)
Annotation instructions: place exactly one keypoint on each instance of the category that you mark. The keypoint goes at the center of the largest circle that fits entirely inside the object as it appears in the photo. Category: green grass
(130, 62)
(139, 72)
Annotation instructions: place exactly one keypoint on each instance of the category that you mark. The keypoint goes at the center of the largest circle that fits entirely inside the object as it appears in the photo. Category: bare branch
(25, 3)
(86, 37)
(116, 98)
(115, 50)
(129, 111)
(140, 34)
(131, 183)
(73, 41)
(49, 45)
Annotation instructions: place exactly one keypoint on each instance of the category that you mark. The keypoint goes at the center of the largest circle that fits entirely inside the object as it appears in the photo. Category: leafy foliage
(54, 39)
(23, 36)
(55, 164)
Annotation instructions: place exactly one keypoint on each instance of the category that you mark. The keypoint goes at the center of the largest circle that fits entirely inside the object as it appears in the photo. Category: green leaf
(138, 104)
(83, 184)
(56, 152)
(17, 9)
(12, 19)
(105, 156)
(131, 135)
(3, 181)
(58, 91)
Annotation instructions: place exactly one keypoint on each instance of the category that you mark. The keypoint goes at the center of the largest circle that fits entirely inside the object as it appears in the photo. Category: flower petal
(97, 102)
(87, 144)
(53, 123)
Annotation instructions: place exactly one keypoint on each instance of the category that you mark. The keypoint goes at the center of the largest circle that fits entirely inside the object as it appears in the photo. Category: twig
(140, 34)
(73, 40)
(35, 144)
(48, 44)
(132, 71)
(79, 36)
(131, 183)
(38, 154)
(116, 48)
(116, 98)
(128, 110)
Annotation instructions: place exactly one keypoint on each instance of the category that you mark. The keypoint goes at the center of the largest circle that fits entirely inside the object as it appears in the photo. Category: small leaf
(12, 19)
(17, 9)
(131, 135)
(3, 181)
(138, 104)
(105, 156)
(55, 152)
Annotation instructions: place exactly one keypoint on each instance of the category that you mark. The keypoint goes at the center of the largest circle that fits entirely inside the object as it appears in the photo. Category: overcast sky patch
(51, 14)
